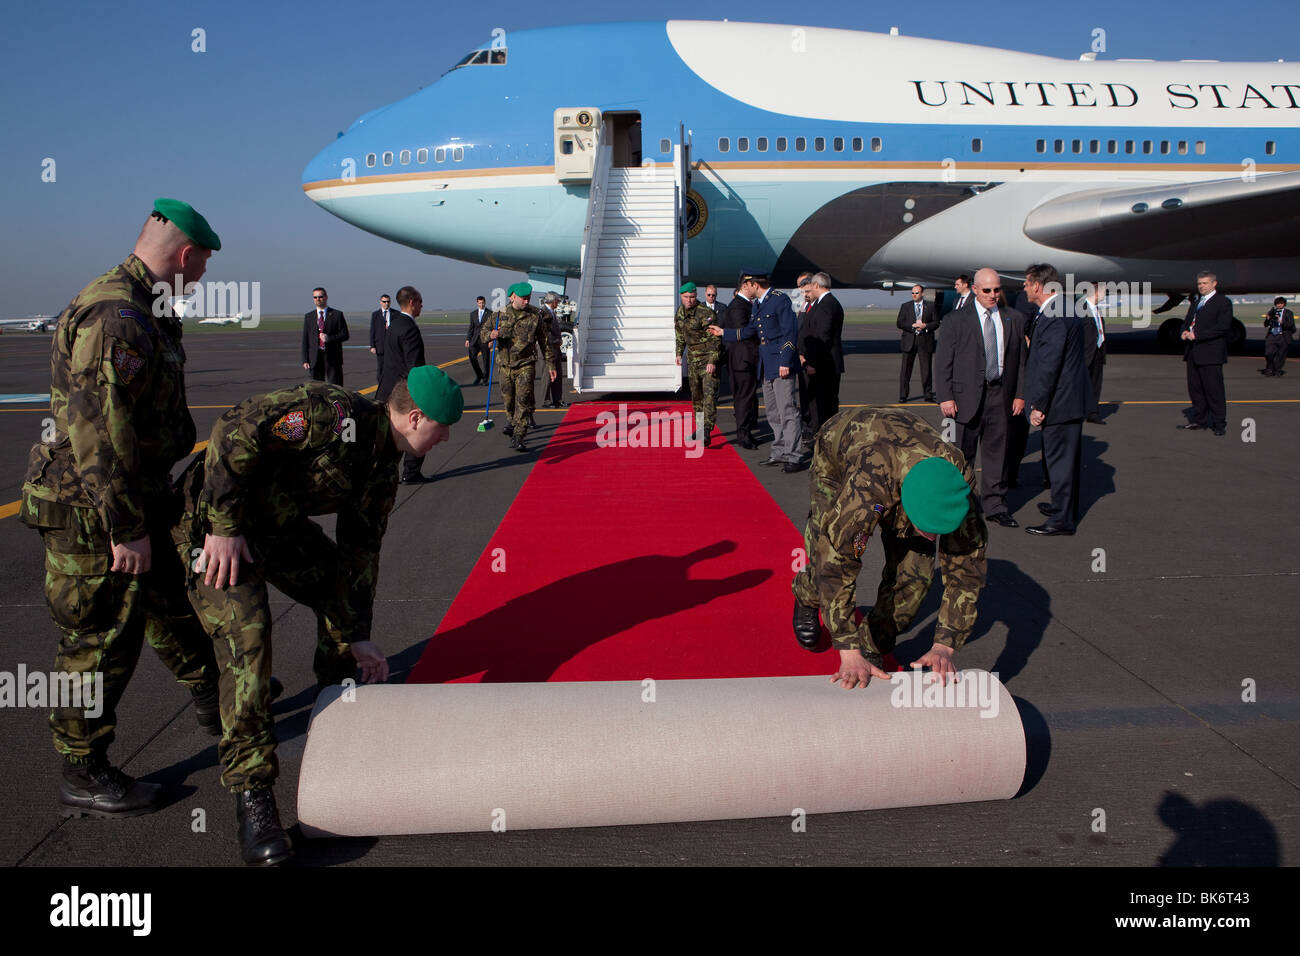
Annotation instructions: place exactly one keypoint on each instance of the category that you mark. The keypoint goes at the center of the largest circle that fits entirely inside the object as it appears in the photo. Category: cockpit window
(493, 57)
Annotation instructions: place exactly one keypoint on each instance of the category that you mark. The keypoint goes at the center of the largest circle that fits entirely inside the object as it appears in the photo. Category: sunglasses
(998, 289)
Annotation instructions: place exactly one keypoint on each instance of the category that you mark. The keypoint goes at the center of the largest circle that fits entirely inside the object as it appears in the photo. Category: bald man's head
(168, 252)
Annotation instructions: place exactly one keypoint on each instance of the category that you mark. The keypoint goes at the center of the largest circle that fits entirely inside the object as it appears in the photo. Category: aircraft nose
(330, 165)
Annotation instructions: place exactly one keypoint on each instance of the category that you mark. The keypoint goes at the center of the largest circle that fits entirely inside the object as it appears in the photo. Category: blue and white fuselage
(876, 158)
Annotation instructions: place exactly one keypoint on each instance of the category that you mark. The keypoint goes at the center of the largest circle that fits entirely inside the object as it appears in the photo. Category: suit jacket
(378, 333)
(776, 328)
(1213, 323)
(1285, 323)
(475, 326)
(403, 350)
(913, 341)
(1092, 353)
(1056, 375)
(336, 333)
(819, 335)
(742, 356)
(959, 373)
(958, 304)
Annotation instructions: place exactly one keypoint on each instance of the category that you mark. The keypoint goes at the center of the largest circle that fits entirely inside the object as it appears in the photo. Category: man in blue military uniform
(774, 324)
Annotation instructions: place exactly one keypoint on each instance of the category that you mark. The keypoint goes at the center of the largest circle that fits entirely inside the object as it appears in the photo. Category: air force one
(634, 154)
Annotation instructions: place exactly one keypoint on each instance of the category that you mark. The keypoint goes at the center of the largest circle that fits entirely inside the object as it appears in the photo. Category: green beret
(935, 496)
(435, 394)
(521, 289)
(688, 287)
(188, 221)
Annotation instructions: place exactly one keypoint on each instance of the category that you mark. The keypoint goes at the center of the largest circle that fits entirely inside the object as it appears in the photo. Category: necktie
(320, 321)
(918, 310)
(990, 348)
(385, 318)
(1101, 326)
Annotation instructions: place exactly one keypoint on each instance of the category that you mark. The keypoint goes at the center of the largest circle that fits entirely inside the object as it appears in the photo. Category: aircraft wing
(1220, 219)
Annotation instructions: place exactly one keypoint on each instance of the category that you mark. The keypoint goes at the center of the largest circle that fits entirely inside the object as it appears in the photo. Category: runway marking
(24, 398)
(11, 509)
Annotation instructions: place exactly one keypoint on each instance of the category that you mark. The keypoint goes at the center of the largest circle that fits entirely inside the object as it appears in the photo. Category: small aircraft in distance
(223, 319)
(37, 323)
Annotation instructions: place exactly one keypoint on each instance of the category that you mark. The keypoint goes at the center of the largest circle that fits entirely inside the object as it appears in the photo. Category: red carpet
(622, 563)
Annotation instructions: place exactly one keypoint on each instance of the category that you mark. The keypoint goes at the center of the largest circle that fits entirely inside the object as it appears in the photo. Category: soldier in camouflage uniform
(99, 491)
(703, 352)
(518, 329)
(887, 469)
(273, 461)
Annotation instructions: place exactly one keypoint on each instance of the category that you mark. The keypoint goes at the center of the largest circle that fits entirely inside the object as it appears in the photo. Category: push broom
(486, 423)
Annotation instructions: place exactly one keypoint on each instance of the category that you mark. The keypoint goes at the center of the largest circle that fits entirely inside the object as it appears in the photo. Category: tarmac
(1150, 655)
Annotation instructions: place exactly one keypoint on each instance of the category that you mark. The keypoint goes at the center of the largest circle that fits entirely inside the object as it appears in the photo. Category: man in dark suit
(403, 351)
(917, 322)
(1279, 326)
(554, 389)
(379, 320)
(962, 286)
(1205, 330)
(1094, 341)
(820, 353)
(742, 364)
(980, 381)
(324, 330)
(1059, 394)
(474, 344)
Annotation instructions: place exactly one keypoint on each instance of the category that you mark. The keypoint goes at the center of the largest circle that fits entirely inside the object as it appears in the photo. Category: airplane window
(819, 143)
(566, 147)
(857, 144)
(781, 144)
(1076, 146)
(1146, 146)
(724, 144)
(422, 155)
(800, 144)
(1128, 145)
(1164, 147)
(838, 144)
(465, 59)
(479, 57)
(388, 158)
(370, 159)
(1270, 148)
(1182, 147)
(665, 146)
(1112, 146)
(404, 157)
(499, 56)
(977, 145)
(458, 153)
(742, 144)
(1200, 147)
(440, 155)
(1094, 146)
(762, 144)
(1058, 145)
(1041, 145)
(877, 144)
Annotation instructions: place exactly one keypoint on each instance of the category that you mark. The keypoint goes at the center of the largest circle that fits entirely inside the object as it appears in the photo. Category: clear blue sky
(114, 94)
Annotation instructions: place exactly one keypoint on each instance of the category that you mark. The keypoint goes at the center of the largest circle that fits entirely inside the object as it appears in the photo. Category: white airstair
(632, 259)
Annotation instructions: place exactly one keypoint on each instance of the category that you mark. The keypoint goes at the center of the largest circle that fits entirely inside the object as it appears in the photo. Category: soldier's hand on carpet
(134, 557)
(221, 558)
(855, 671)
(371, 660)
(939, 660)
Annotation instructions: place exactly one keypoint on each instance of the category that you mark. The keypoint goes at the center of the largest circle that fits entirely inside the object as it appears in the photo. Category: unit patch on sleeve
(342, 418)
(127, 361)
(291, 427)
(138, 316)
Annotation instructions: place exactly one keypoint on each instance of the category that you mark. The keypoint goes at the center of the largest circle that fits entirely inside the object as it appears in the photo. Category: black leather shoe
(262, 841)
(1191, 427)
(1045, 509)
(508, 431)
(932, 398)
(807, 629)
(519, 446)
(902, 399)
(532, 422)
(418, 480)
(1005, 520)
(769, 462)
(1220, 432)
(561, 404)
(790, 467)
(1095, 421)
(746, 443)
(1047, 529)
(207, 709)
(99, 790)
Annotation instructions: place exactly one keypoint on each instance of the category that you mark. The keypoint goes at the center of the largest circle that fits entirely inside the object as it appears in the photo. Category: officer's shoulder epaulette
(778, 293)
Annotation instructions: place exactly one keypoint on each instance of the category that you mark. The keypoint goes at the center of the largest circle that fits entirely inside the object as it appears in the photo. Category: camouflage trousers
(904, 580)
(517, 396)
(704, 396)
(106, 616)
(301, 561)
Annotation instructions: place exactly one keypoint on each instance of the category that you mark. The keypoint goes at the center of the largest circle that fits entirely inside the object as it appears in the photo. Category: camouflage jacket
(519, 332)
(312, 449)
(693, 335)
(861, 459)
(117, 393)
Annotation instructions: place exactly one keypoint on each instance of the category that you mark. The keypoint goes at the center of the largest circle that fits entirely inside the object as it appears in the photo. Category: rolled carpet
(444, 758)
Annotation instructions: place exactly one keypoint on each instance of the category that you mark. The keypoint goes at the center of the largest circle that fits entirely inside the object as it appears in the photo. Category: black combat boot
(207, 709)
(508, 431)
(807, 629)
(262, 841)
(96, 789)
